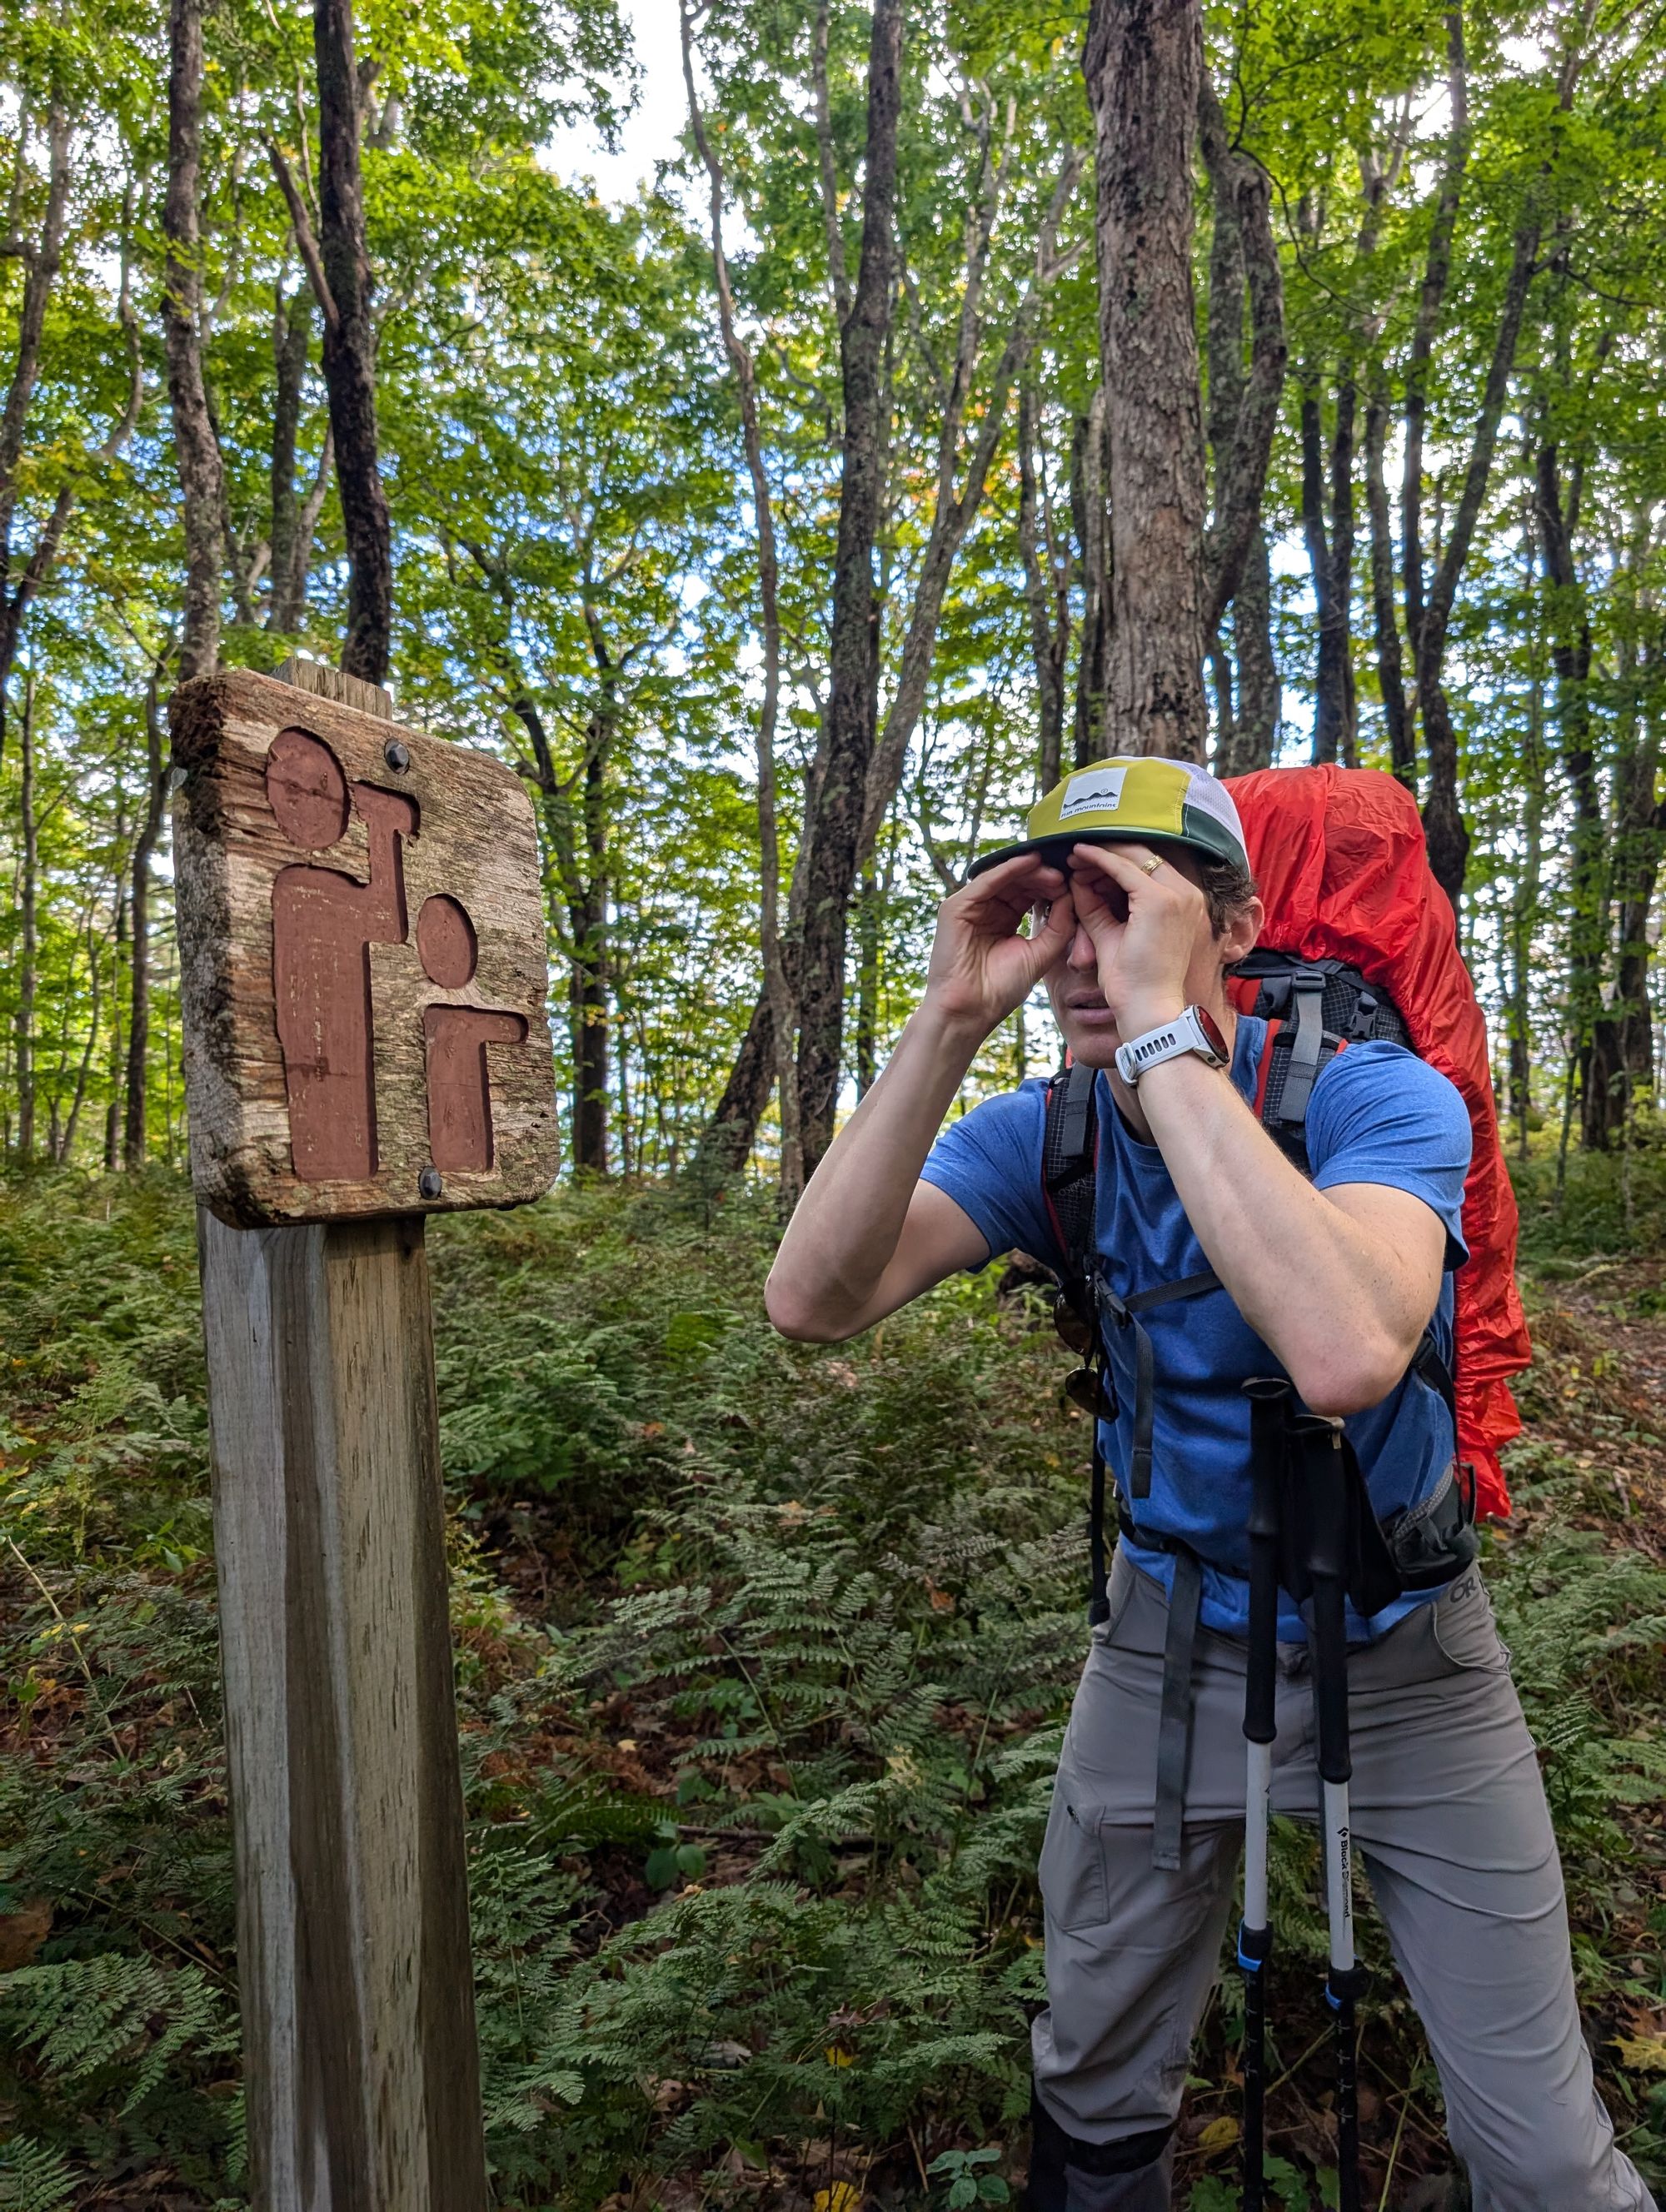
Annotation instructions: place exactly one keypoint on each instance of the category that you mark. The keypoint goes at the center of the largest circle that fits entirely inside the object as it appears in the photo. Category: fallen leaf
(24, 1932)
(1644, 2054)
(842, 2197)
(1220, 2135)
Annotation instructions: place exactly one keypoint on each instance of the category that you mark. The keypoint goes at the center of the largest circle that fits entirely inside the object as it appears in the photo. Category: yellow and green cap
(1109, 802)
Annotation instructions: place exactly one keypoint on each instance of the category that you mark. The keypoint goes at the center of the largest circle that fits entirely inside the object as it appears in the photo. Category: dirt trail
(1598, 1389)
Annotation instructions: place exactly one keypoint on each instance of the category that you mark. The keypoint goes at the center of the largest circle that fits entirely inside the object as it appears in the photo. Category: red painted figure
(459, 1096)
(324, 923)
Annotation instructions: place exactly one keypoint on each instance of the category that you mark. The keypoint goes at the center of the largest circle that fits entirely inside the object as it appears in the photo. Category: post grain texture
(353, 1936)
(340, 905)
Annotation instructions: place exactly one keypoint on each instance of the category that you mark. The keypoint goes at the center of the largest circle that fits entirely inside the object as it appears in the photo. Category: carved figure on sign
(324, 923)
(460, 1092)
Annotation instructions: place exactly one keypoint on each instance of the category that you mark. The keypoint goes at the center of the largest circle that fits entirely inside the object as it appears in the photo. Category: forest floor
(763, 1653)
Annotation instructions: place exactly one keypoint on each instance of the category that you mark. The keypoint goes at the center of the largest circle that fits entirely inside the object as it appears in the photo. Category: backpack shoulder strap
(1313, 1009)
(1070, 1159)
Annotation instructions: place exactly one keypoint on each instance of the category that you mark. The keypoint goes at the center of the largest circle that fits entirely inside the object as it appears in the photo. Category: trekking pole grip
(1270, 1401)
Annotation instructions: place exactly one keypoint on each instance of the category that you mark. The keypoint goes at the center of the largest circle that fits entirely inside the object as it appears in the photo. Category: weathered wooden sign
(362, 944)
(363, 969)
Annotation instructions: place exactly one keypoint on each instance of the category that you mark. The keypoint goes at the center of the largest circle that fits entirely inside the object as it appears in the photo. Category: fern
(90, 2018)
(835, 1598)
(34, 2176)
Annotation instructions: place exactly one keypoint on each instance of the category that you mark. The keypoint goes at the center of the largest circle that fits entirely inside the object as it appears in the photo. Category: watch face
(1211, 1029)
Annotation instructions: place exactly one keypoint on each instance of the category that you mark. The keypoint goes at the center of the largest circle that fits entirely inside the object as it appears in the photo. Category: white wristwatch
(1196, 1031)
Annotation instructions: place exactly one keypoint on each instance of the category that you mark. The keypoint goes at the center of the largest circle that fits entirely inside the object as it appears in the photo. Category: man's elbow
(1337, 1380)
(792, 1315)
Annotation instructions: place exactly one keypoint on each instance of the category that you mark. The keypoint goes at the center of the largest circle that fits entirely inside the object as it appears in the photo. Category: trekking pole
(1269, 1413)
(1325, 1539)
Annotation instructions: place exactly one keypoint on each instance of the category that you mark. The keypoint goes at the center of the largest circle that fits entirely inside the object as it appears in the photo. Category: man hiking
(1137, 877)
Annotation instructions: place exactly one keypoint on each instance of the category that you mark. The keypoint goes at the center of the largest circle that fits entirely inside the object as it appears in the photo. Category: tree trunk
(1570, 649)
(119, 938)
(1226, 727)
(1144, 66)
(65, 1146)
(868, 980)
(1622, 1054)
(1091, 521)
(1329, 699)
(778, 990)
(1436, 269)
(1523, 919)
(1342, 558)
(590, 978)
(728, 1138)
(1449, 839)
(41, 258)
(1385, 626)
(28, 927)
(854, 646)
(292, 334)
(1047, 595)
(136, 1116)
(1258, 686)
(196, 448)
(1243, 409)
(1225, 359)
(349, 347)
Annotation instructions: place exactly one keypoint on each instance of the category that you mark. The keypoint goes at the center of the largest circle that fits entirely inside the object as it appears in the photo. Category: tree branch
(306, 241)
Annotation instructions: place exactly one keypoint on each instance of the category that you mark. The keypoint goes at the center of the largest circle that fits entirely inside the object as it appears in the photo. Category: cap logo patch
(1098, 790)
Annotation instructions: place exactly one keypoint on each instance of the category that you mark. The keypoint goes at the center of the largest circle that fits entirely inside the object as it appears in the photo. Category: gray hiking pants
(1448, 1812)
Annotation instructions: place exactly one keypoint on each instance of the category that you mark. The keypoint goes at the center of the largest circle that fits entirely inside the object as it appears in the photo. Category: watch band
(1196, 1031)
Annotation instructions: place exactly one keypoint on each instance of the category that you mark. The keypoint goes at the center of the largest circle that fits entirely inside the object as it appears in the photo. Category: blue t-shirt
(1377, 1114)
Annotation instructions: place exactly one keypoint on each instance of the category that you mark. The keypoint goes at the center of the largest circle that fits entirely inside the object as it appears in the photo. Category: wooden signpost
(365, 1042)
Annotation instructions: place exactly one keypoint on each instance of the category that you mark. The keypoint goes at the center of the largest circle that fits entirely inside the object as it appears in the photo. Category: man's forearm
(846, 1227)
(1338, 1305)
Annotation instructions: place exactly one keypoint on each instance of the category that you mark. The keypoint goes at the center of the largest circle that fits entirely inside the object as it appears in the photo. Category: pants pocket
(1464, 1631)
(1073, 1884)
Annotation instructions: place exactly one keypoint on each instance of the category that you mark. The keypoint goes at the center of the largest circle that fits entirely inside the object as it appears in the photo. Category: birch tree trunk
(136, 1113)
(777, 981)
(196, 447)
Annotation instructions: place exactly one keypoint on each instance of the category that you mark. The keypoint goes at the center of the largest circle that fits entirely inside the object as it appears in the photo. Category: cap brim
(1056, 848)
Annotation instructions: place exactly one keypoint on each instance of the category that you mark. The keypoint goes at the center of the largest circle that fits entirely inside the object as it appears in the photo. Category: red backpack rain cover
(1340, 856)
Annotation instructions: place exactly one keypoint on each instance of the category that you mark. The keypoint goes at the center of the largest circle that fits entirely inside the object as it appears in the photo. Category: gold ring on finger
(1150, 867)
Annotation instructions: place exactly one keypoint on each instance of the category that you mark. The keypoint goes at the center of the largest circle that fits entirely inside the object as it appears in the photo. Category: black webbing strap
(1307, 1054)
(1126, 1312)
(1075, 1138)
(1173, 1721)
(1099, 1558)
(1430, 1368)
(1173, 1725)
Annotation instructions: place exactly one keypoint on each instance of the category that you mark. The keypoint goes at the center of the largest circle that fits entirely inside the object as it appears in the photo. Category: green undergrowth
(1593, 1206)
(763, 1651)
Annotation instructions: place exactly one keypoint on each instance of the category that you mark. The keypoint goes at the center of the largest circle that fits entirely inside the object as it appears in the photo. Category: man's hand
(1147, 923)
(981, 968)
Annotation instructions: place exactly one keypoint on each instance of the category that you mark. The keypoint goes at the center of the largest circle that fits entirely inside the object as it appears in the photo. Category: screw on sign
(364, 988)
